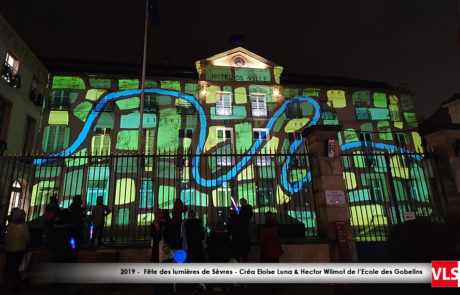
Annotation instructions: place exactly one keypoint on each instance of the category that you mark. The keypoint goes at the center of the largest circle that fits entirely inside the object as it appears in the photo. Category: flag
(154, 17)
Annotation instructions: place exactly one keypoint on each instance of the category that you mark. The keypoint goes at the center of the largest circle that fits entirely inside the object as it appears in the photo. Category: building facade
(232, 130)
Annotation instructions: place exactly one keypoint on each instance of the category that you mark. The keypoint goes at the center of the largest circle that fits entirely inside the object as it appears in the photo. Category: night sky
(411, 43)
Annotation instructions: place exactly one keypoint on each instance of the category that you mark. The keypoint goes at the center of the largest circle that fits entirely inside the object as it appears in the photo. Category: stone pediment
(238, 64)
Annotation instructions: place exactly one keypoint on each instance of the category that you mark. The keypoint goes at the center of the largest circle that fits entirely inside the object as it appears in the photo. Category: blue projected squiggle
(291, 188)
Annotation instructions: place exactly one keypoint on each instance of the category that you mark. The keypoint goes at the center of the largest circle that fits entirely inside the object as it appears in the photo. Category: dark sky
(411, 42)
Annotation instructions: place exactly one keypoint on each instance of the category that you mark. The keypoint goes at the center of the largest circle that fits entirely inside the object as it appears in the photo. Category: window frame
(63, 100)
(225, 160)
(256, 105)
(224, 106)
(261, 160)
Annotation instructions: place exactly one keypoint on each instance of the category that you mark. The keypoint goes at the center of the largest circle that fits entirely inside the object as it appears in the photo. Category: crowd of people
(66, 230)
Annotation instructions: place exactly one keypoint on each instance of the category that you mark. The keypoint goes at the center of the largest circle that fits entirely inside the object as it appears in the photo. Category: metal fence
(134, 185)
(388, 188)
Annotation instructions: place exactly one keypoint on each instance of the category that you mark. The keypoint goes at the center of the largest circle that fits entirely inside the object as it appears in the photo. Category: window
(265, 194)
(224, 104)
(29, 132)
(258, 105)
(147, 197)
(185, 140)
(293, 110)
(100, 144)
(97, 188)
(55, 138)
(394, 113)
(184, 107)
(150, 103)
(149, 135)
(297, 160)
(224, 146)
(327, 112)
(262, 135)
(34, 94)
(362, 113)
(60, 100)
(377, 190)
(5, 108)
(401, 140)
(365, 136)
(10, 70)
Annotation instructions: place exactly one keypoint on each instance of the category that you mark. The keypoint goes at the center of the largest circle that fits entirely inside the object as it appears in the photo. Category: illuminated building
(237, 108)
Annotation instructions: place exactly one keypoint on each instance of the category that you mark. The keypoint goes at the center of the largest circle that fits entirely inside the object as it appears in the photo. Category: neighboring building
(23, 80)
(234, 105)
(22, 85)
(441, 132)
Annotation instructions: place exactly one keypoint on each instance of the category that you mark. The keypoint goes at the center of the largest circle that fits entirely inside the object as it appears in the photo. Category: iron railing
(134, 185)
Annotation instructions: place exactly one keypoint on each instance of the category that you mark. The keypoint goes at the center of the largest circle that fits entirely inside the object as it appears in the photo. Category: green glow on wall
(263, 89)
(394, 100)
(406, 102)
(411, 119)
(277, 73)
(240, 95)
(211, 95)
(238, 112)
(106, 120)
(123, 216)
(126, 164)
(60, 82)
(72, 162)
(297, 174)
(362, 97)
(252, 75)
(384, 130)
(47, 172)
(367, 215)
(380, 100)
(296, 124)
(417, 142)
(279, 123)
(307, 109)
(218, 73)
(131, 121)
(166, 169)
(350, 180)
(350, 135)
(359, 195)
(394, 111)
(127, 140)
(397, 168)
(289, 92)
(145, 218)
(73, 183)
(367, 127)
(82, 110)
(100, 144)
(267, 172)
(337, 97)
(211, 140)
(128, 103)
(73, 97)
(379, 114)
(99, 83)
(247, 191)
(171, 85)
(125, 84)
(281, 196)
(399, 125)
(147, 195)
(168, 135)
(125, 191)
(246, 174)
(243, 136)
(311, 91)
(192, 89)
(166, 197)
(306, 217)
(41, 192)
(192, 197)
(58, 118)
(150, 84)
(221, 197)
(94, 94)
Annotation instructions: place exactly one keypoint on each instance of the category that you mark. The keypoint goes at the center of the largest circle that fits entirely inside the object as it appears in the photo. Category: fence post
(333, 220)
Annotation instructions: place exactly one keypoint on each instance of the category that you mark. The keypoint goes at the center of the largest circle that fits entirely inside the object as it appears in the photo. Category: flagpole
(144, 61)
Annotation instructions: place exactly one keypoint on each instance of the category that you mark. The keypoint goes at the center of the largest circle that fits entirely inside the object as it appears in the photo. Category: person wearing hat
(17, 239)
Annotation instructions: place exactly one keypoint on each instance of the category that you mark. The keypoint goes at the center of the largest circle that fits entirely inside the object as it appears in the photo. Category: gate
(388, 188)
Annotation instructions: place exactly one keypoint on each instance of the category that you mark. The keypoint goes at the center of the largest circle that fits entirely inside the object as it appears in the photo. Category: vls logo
(445, 274)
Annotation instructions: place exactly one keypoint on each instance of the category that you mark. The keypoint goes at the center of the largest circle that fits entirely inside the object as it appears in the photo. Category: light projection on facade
(180, 119)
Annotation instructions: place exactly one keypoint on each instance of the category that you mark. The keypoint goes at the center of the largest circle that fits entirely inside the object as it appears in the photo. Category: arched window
(15, 196)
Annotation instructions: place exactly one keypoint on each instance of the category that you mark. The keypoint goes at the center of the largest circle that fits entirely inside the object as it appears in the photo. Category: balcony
(10, 75)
